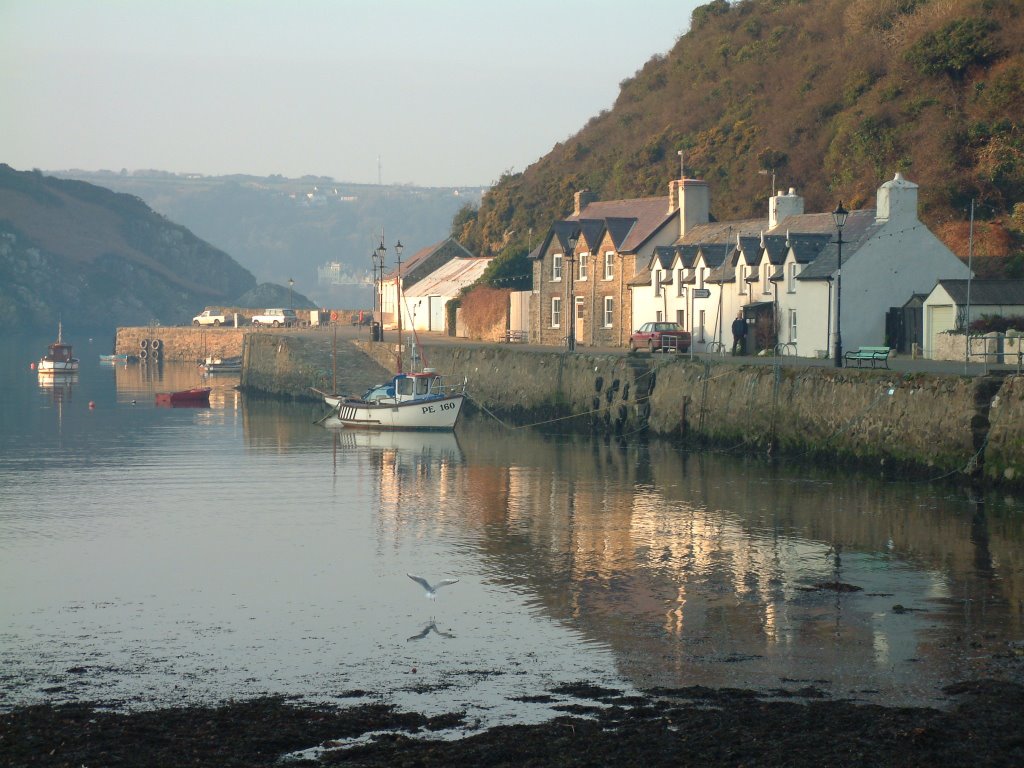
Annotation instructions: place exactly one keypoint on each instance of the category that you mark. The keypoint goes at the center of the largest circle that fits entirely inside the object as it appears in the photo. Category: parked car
(665, 336)
(276, 318)
(210, 317)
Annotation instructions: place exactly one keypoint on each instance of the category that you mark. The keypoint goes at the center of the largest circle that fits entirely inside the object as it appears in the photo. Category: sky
(422, 92)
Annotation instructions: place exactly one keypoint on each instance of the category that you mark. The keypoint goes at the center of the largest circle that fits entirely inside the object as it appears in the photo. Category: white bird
(431, 590)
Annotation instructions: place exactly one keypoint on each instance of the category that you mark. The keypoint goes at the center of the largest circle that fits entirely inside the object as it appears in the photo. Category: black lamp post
(381, 252)
(839, 216)
(290, 284)
(571, 254)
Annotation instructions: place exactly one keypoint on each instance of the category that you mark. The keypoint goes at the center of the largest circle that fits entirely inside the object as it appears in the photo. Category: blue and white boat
(420, 401)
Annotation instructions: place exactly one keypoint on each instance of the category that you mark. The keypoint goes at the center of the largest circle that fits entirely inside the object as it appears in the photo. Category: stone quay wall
(182, 344)
(971, 427)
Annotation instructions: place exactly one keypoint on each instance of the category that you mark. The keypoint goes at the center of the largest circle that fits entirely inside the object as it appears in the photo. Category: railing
(785, 349)
(715, 348)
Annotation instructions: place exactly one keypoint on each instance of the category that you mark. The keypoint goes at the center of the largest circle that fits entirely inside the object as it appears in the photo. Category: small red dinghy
(195, 397)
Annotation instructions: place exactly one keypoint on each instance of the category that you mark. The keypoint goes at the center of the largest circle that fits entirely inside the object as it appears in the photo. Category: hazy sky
(444, 92)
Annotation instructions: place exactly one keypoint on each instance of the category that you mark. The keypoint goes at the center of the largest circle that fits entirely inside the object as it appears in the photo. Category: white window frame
(681, 317)
(609, 265)
(700, 277)
(767, 285)
(556, 312)
(792, 325)
(556, 268)
(792, 277)
(681, 290)
(657, 316)
(657, 282)
(742, 279)
(609, 311)
(584, 258)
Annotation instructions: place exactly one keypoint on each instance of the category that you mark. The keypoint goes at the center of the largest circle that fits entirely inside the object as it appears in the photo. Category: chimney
(694, 204)
(673, 195)
(581, 200)
(897, 200)
(782, 206)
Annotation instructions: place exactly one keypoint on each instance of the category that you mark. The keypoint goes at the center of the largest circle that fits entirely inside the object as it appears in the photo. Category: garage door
(941, 318)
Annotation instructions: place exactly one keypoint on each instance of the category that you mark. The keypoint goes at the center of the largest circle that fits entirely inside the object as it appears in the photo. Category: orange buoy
(31, 366)
(92, 404)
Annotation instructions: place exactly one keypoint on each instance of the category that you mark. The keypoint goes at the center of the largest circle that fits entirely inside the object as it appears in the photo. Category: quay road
(900, 363)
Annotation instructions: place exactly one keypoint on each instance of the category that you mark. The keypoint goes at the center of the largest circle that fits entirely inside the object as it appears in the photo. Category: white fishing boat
(420, 401)
(59, 358)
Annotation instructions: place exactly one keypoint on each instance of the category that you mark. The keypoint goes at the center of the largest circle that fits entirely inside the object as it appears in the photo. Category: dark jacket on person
(739, 328)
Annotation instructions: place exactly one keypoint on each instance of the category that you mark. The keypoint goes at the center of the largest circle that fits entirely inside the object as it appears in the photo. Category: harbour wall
(182, 344)
(972, 427)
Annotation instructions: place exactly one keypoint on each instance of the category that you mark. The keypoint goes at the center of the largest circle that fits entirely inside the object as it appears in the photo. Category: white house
(411, 271)
(425, 302)
(785, 269)
(946, 307)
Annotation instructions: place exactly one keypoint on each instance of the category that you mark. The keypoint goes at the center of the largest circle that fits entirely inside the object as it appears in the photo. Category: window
(658, 317)
(584, 258)
(766, 282)
(681, 317)
(681, 289)
(609, 265)
(792, 278)
(702, 326)
(609, 311)
(556, 312)
(700, 277)
(556, 267)
(657, 282)
(742, 275)
(792, 325)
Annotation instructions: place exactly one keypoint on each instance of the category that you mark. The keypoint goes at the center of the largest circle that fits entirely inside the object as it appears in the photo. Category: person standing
(739, 333)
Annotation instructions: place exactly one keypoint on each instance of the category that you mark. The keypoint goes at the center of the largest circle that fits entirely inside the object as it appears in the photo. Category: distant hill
(831, 97)
(97, 259)
(281, 228)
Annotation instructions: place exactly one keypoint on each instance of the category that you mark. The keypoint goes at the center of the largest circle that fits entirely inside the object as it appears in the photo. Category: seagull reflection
(431, 627)
(431, 590)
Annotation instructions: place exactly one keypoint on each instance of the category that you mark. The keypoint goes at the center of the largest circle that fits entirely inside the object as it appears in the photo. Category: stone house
(585, 262)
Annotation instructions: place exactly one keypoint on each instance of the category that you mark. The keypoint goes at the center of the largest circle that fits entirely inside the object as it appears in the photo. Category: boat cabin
(59, 353)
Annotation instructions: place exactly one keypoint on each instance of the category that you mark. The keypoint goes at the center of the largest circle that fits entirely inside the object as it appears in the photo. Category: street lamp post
(290, 284)
(380, 253)
(839, 216)
(571, 255)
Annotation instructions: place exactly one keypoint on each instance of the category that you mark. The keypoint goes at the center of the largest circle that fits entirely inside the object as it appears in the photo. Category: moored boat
(419, 401)
(223, 365)
(59, 357)
(194, 397)
(116, 358)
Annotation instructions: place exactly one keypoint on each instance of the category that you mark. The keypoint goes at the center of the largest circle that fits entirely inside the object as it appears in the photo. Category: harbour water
(153, 556)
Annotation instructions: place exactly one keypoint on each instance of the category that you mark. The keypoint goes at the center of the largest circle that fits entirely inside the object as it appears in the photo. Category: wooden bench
(515, 337)
(871, 354)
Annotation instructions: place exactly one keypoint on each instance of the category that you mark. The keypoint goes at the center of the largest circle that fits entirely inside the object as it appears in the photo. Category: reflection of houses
(778, 272)
(422, 264)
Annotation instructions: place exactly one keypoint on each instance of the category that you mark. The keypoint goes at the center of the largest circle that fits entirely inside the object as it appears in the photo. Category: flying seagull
(431, 590)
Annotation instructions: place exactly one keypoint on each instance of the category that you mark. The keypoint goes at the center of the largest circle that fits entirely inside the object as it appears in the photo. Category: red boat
(197, 397)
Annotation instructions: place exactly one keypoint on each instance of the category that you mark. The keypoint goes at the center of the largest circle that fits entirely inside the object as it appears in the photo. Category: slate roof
(986, 292)
(409, 264)
(777, 248)
(807, 246)
(860, 227)
(723, 231)
(629, 222)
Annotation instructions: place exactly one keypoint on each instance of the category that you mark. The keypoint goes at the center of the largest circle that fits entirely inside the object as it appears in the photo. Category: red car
(663, 336)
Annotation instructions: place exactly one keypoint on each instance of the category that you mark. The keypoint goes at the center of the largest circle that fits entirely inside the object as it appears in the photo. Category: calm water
(158, 556)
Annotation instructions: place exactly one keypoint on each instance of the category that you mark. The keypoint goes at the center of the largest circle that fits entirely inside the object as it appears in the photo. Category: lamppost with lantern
(381, 253)
(571, 255)
(839, 217)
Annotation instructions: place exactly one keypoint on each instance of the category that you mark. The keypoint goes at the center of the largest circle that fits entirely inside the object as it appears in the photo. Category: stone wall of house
(993, 348)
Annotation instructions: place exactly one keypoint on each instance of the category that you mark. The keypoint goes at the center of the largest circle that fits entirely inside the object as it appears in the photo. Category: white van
(276, 318)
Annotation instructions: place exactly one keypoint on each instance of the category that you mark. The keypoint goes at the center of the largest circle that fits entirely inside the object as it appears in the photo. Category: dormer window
(609, 265)
(657, 282)
(584, 261)
(556, 267)
(741, 273)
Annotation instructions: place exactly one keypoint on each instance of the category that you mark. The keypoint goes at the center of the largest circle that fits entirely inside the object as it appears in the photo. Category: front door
(579, 319)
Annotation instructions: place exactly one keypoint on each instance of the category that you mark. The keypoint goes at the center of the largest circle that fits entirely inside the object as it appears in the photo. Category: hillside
(830, 97)
(98, 258)
(280, 228)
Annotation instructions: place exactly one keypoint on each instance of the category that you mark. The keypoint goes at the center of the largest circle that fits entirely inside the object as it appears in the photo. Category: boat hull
(197, 397)
(440, 413)
(58, 366)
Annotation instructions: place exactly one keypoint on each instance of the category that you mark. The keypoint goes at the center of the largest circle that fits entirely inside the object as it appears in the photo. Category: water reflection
(708, 570)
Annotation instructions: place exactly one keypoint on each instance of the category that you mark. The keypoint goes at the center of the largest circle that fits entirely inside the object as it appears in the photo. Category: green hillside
(831, 96)
(98, 258)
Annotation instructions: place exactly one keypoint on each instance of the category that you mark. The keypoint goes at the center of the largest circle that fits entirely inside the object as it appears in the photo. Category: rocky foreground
(693, 726)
